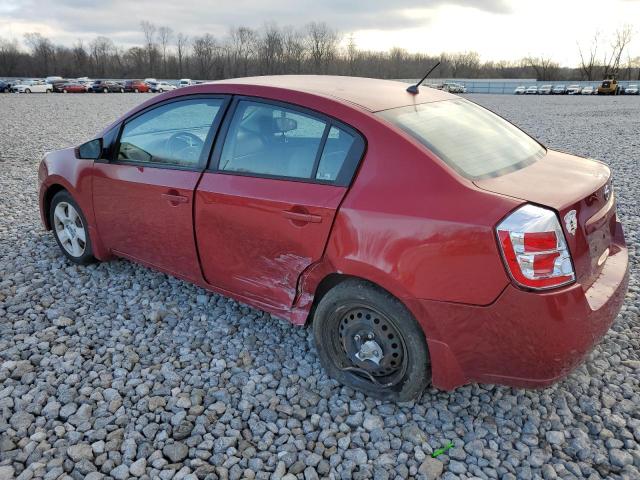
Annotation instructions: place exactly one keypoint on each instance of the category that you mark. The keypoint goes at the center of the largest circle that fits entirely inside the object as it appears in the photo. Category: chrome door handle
(301, 217)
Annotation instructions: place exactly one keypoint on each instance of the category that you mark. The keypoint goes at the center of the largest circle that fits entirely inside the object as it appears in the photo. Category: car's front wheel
(70, 229)
(369, 341)
(105, 90)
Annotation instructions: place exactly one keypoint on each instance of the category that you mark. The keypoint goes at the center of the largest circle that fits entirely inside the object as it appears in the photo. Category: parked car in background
(520, 90)
(632, 89)
(70, 86)
(588, 90)
(53, 79)
(545, 90)
(574, 89)
(136, 86)
(160, 87)
(493, 259)
(453, 87)
(4, 86)
(184, 82)
(106, 86)
(532, 90)
(32, 86)
(559, 90)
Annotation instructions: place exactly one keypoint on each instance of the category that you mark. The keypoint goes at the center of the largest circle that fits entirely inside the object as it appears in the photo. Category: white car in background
(520, 90)
(159, 87)
(574, 89)
(532, 90)
(545, 90)
(588, 90)
(32, 86)
(52, 79)
(631, 89)
(185, 82)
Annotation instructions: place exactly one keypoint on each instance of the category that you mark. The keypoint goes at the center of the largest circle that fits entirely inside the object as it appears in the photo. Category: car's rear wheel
(70, 229)
(369, 341)
(26, 90)
(160, 90)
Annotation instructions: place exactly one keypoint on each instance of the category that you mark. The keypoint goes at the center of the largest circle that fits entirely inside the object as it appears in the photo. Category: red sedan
(425, 238)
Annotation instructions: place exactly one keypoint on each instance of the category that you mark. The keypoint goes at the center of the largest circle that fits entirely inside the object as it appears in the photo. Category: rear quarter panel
(416, 228)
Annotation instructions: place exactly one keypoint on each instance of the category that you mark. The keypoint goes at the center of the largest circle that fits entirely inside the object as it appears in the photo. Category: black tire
(86, 256)
(26, 90)
(105, 90)
(64, 90)
(122, 90)
(375, 314)
(135, 90)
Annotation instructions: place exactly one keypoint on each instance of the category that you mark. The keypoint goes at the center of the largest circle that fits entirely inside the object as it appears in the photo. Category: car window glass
(272, 140)
(172, 134)
(334, 154)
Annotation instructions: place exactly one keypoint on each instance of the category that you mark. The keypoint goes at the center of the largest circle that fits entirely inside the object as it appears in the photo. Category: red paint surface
(407, 223)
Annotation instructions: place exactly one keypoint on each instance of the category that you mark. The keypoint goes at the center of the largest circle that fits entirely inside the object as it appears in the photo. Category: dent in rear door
(257, 232)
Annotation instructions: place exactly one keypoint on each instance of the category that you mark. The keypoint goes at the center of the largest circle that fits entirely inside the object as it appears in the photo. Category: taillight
(534, 248)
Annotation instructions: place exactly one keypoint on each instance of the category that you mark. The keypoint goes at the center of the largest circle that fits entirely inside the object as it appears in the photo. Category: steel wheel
(370, 345)
(369, 341)
(69, 229)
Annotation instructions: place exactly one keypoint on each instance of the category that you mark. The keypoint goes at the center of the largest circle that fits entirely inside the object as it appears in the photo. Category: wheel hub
(370, 342)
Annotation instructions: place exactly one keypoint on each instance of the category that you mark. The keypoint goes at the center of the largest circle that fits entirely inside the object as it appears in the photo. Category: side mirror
(90, 150)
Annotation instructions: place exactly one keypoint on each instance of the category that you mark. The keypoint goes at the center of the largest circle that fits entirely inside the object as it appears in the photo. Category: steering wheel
(184, 146)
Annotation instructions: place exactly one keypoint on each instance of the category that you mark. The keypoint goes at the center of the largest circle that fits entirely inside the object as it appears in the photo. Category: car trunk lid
(568, 183)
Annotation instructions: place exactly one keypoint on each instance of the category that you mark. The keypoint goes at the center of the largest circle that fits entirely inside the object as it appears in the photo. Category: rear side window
(336, 149)
(172, 134)
(472, 140)
(272, 140)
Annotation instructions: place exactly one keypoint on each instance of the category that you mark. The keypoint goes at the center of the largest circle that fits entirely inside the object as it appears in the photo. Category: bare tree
(621, 40)
(588, 59)
(164, 34)
(101, 49)
(204, 54)
(543, 67)
(322, 43)
(352, 54)
(149, 31)
(182, 42)
(9, 57)
(271, 48)
(43, 51)
(294, 50)
(241, 48)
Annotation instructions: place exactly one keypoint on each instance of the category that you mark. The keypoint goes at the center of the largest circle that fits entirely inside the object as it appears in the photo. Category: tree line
(313, 49)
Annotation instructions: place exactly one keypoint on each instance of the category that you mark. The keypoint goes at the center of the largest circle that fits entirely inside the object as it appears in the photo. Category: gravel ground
(114, 370)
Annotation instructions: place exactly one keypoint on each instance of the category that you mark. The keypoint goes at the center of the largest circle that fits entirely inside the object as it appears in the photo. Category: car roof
(369, 93)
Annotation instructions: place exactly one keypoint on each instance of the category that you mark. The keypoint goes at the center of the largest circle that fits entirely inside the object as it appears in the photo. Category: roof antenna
(414, 88)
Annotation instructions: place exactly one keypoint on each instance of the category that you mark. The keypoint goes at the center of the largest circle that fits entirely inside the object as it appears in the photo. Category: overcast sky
(497, 29)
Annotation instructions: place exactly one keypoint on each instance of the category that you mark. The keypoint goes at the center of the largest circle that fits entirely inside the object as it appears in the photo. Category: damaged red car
(425, 239)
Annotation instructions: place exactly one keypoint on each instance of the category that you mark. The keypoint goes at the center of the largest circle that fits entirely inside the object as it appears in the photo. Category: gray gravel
(114, 370)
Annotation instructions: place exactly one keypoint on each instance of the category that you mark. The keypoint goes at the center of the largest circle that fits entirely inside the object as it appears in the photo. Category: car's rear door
(143, 195)
(265, 207)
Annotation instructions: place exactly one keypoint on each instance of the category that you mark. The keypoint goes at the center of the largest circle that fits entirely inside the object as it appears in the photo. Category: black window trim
(347, 171)
(208, 144)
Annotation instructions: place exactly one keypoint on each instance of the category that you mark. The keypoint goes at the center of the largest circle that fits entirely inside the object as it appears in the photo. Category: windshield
(472, 140)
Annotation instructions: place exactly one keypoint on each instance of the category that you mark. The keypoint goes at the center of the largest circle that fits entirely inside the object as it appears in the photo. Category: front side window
(472, 140)
(172, 134)
(272, 140)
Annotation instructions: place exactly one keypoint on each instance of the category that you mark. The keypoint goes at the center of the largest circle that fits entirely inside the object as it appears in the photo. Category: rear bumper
(523, 339)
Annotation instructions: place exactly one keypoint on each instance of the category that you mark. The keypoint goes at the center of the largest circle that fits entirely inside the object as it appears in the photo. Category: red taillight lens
(534, 248)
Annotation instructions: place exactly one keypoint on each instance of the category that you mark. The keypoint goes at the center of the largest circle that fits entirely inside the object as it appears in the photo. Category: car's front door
(143, 195)
(264, 209)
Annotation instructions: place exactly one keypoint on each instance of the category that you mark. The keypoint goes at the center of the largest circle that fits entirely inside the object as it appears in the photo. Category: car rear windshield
(472, 140)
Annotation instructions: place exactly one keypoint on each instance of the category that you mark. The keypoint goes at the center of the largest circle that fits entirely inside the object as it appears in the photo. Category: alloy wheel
(69, 229)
